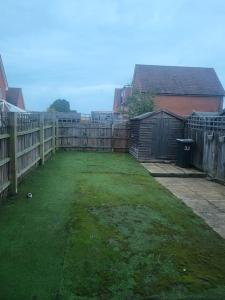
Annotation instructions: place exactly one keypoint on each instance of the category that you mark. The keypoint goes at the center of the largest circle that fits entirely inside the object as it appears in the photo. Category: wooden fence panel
(21, 143)
(28, 142)
(120, 138)
(82, 136)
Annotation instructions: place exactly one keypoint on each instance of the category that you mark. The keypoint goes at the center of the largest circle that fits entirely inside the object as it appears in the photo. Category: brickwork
(185, 105)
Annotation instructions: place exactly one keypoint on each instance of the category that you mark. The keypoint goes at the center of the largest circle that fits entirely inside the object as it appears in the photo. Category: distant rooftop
(171, 80)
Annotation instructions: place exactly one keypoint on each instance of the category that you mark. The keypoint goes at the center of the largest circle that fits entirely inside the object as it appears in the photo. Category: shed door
(161, 137)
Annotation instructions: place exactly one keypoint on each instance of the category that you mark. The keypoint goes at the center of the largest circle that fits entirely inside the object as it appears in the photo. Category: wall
(185, 105)
(20, 102)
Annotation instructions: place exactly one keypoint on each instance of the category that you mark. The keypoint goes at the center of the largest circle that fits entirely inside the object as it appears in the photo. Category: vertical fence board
(13, 150)
(42, 143)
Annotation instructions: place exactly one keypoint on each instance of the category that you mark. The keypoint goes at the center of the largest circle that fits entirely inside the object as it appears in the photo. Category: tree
(139, 103)
(60, 105)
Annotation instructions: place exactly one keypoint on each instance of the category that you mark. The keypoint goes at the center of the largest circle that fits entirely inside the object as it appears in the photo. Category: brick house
(180, 90)
(3, 81)
(117, 100)
(11, 95)
(120, 97)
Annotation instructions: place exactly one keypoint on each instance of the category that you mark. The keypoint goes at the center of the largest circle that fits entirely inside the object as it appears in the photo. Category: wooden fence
(29, 139)
(208, 134)
(25, 141)
(92, 136)
(96, 137)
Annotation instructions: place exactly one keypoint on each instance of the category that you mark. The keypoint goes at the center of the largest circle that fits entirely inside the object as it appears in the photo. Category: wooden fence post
(42, 139)
(112, 137)
(13, 150)
(54, 133)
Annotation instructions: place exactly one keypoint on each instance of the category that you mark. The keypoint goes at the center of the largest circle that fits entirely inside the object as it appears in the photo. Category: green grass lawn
(99, 227)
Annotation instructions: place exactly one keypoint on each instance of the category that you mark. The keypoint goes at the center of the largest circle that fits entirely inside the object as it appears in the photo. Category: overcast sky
(80, 50)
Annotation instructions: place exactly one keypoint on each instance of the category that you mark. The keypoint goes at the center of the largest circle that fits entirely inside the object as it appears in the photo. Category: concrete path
(171, 170)
(206, 198)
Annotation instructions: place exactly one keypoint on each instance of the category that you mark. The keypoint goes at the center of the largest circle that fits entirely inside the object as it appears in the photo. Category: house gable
(15, 97)
(3, 81)
(117, 99)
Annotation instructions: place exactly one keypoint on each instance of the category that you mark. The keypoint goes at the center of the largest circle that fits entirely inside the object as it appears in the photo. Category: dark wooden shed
(153, 135)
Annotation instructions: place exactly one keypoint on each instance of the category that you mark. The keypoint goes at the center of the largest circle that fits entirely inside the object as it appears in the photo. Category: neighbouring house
(181, 90)
(107, 117)
(3, 81)
(10, 97)
(153, 135)
(117, 100)
(68, 117)
(120, 97)
(15, 97)
(102, 116)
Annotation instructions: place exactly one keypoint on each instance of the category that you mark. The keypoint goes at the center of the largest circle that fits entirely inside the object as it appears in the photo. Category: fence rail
(207, 123)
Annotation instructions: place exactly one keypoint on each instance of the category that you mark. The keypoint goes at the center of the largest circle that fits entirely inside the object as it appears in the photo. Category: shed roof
(152, 113)
(173, 80)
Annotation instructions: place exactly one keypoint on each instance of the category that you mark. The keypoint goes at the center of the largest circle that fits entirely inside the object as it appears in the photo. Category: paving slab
(206, 198)
(171, 170)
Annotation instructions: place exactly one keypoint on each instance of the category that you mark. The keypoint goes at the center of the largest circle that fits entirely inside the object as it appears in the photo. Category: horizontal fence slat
(48, 126)
(97, 147)
(27, 150)
(48, 139)
(4, 186)
(48, 151)
(4, 136)
(85, 137)
(4, 161)
(85, 127)
(28, 167)
(28, 131)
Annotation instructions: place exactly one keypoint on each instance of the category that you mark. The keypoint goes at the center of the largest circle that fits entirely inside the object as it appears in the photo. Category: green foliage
(107, 231)
(60, 105)
(139, 103)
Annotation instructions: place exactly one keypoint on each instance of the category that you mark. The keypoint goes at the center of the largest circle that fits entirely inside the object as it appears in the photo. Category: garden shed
(153, 135)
